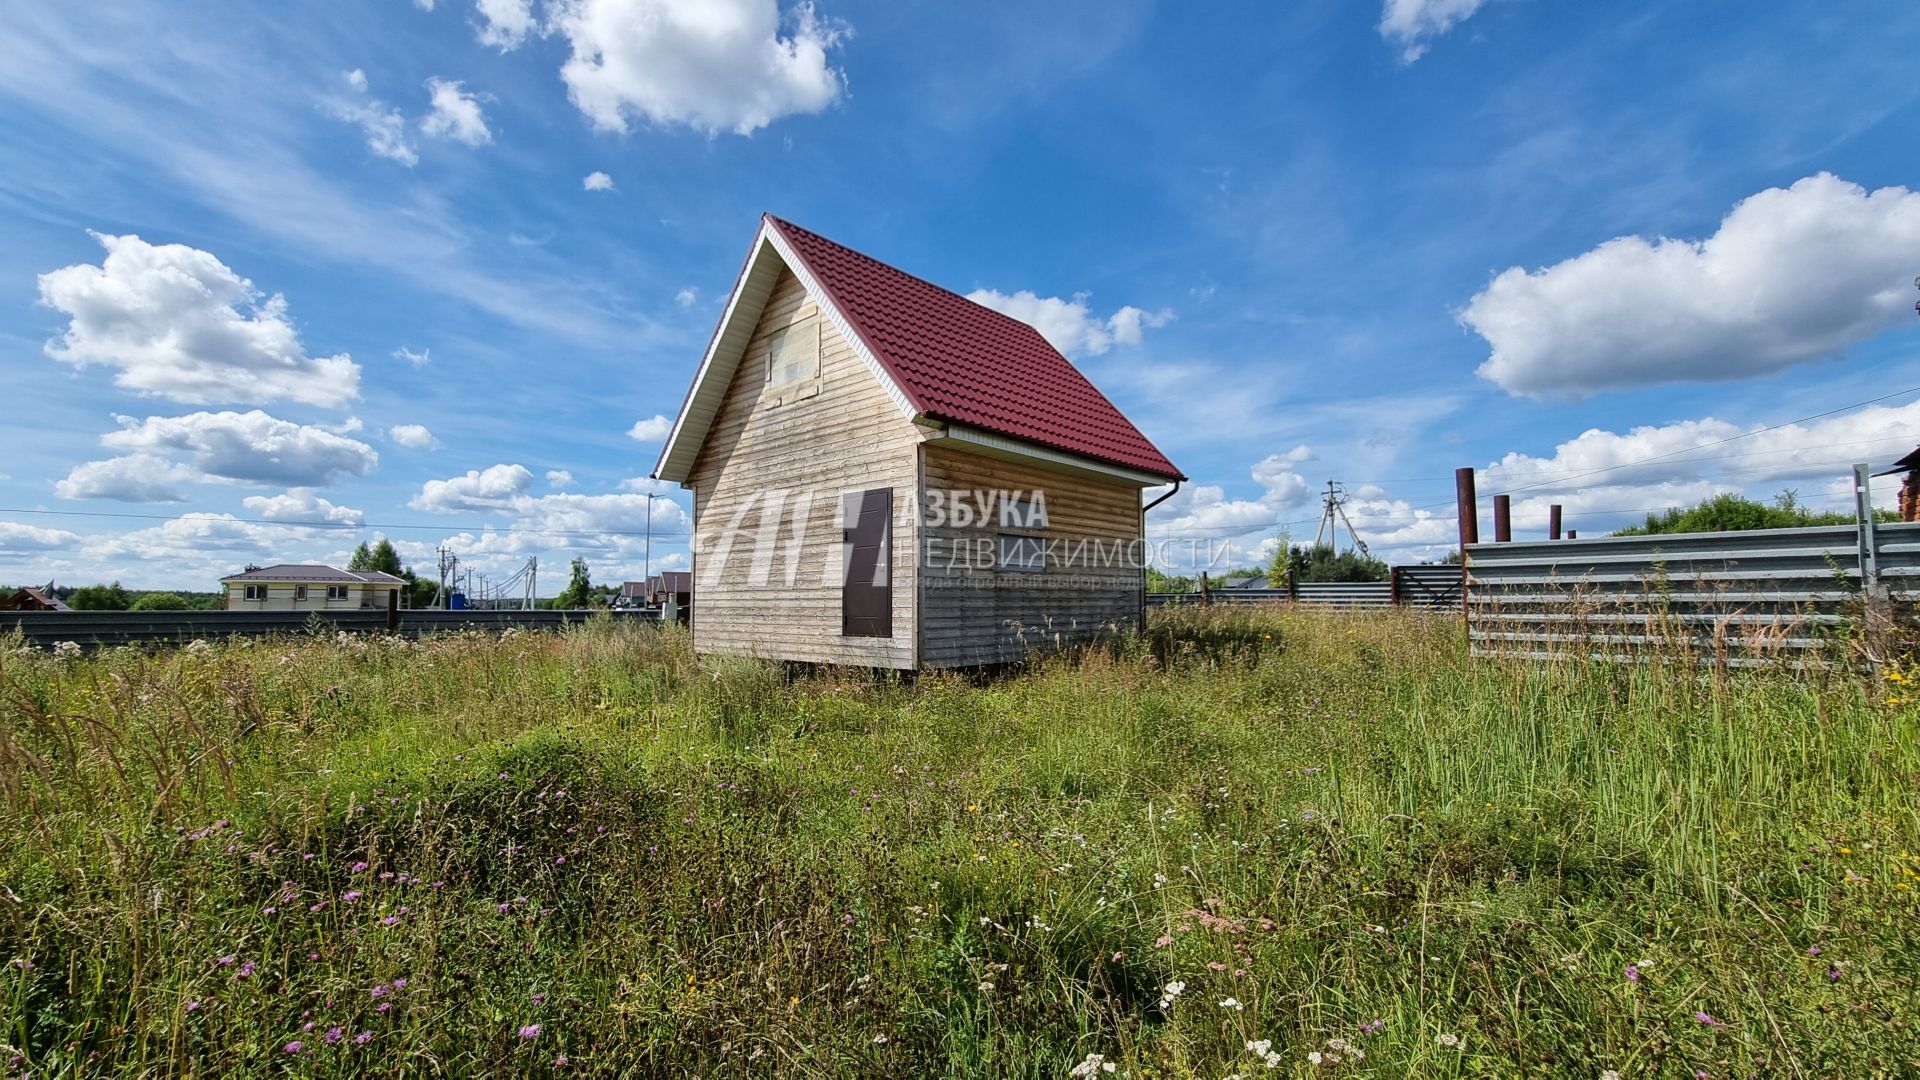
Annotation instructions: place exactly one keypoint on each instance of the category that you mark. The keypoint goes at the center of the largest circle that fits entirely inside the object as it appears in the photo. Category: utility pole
(1333, 514)
(647, 559)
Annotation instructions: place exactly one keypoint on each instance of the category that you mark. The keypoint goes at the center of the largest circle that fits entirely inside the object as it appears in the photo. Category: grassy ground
(1311, 844)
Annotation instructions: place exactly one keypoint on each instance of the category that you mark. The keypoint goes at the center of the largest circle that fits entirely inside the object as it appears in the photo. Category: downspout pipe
(1171, 492)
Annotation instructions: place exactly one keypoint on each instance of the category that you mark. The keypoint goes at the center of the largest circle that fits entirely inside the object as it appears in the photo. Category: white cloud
(1412, 24)
(424, 5)
(609, 530)
(651, 430)
(1126, 323)
(1204, 510)
(190, 537)
(249, 447)
(133, 478)
(15, 537)
(687, 297)
(1070, 325)
(384, 128)
(646, 484)
(1700, 450)
(412, 436)
(356, 79)
(712, 65)
(301, 506)
(417, 359)
(559, 478)
(597, 181)
(504, 24)
(492, 488)
(455, 115)
(346, 427)
(1791, 276)
(171, 318)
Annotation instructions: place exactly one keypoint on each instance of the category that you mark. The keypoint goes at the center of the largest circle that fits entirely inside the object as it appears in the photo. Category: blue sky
(1577, 246)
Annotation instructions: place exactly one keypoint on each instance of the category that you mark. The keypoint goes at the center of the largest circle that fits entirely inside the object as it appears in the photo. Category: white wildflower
(1449, 1040)
(1610, 1074)
(1174, 990)
(66, 650)
(1091, 1064)
(1232, 1003)
(1313, 1058)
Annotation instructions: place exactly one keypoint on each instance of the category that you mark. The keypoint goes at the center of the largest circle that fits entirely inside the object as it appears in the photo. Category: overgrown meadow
(1245, 843)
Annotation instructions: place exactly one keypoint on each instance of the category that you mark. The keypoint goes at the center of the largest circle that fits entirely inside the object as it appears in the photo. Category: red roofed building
(886, 473)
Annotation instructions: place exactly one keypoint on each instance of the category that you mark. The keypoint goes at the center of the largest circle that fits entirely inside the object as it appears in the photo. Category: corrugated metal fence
(98, 628)
(1741, 598)
(1436, 588)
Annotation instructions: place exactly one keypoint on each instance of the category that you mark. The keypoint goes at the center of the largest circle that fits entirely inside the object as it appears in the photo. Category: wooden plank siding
(850, 436)
(977, 614)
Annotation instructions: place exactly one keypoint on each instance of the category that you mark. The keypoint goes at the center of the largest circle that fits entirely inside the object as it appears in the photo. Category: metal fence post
(1503, 519)
(1467, 507)
(1875, 600)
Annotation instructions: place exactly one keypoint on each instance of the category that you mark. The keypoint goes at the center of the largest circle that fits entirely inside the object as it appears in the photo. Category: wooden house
(887, 474)
(33, 598)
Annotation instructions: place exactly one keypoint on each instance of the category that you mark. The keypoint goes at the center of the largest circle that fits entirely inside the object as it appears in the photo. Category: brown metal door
(866, 590)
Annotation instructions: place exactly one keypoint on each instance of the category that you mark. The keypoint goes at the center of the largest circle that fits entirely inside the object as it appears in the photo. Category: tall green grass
(1354, 850)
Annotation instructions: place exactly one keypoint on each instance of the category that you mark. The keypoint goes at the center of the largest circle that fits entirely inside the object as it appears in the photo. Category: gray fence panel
(1435, 588)
(1220, 596)
(94, 629)
(1345, 594)
(1758, 596)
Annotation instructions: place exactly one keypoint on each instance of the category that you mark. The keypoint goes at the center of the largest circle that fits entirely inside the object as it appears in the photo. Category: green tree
(163, 601)
(100, 598)
(579, 590)
(1278, 565)
(380, 557)
(1732, 512)
(1158, 582)
(1323, 563)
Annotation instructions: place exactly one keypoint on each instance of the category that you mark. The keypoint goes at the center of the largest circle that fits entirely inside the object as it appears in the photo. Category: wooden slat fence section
(94, 629)
(1742, 598)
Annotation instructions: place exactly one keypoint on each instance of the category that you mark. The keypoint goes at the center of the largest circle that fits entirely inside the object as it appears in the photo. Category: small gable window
(793, 362)
(256, 592)
(299, 592)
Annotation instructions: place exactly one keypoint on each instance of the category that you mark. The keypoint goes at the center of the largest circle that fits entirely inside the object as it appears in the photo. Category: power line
(1374, 523)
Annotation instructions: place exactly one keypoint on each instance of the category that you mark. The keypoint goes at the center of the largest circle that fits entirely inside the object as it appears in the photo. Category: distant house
(32, 598)
(675, 585)
(1258, 581)
(309, 587)
(887, 474)
(670, 585)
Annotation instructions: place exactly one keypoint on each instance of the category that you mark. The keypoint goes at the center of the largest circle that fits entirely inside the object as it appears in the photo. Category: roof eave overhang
(964, 436)
(770, 254)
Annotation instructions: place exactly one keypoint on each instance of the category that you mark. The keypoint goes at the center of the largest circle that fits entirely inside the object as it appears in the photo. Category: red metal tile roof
(959, 361)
